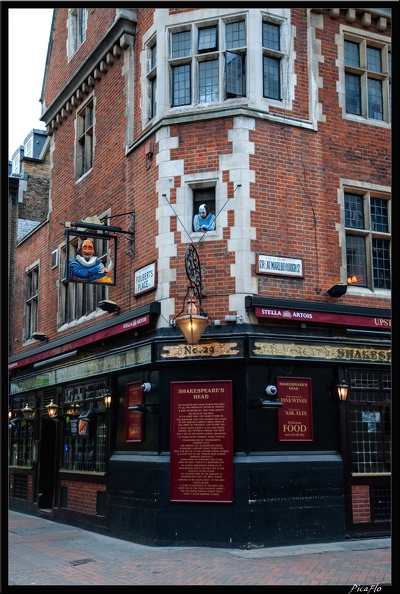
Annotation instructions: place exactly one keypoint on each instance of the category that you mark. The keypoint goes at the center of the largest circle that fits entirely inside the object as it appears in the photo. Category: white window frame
(253, 65)
(367, 192)
(365, 39)
(85, 138)
(185, 204)
(31, 301)
(75, 36)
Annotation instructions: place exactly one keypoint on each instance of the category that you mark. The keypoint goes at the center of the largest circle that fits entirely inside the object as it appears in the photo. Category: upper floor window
(16, 164)
(272, 56)
(85, 138)
(28, 152)
(368, 240)
(31, 301)
(152, 79)
(77, 24)
(368, 78)
(207, 62)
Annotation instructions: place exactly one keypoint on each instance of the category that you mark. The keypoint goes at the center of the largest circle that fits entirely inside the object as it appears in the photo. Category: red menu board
(134, 420)
(201, 441)
(295, 416)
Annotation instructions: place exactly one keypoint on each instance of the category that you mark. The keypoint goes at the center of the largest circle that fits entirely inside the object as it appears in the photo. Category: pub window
(85, 441)
(369, 402)
(22, 434)
(368, 240)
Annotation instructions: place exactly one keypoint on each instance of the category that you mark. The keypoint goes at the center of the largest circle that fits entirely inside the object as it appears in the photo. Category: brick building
(279, 120)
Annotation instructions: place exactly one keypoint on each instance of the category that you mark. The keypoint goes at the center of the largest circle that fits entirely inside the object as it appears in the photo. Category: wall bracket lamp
(40, 336)
(343, 390)
(52, 408)
(107, 399)
(336, 291)
(191, 323)
(28, 413)
(109, 306)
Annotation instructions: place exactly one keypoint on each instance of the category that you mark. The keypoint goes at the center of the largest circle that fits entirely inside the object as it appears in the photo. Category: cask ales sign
(295, 416)
(201, 441)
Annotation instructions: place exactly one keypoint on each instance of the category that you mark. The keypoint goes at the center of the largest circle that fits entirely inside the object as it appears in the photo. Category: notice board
(295, 422)
(201, 441)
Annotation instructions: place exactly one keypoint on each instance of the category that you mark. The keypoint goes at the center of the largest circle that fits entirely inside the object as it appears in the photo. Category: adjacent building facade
(279, 121)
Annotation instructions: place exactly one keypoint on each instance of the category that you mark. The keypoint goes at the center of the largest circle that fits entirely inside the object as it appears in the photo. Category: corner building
(280, 121)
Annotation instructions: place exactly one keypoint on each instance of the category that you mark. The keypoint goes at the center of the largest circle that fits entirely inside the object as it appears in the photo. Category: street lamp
(191, 323)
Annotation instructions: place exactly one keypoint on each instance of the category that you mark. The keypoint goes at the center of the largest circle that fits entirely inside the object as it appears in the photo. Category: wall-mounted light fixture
(28, 413)
(109, 306)
(40, 336)
(73, 409)
(107, 399)
(191, 323)
(343, 390)
(52, 408)
(336, 291)
(10, 413)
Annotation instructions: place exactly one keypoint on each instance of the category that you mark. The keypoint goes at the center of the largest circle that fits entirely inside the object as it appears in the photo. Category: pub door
(47, 462)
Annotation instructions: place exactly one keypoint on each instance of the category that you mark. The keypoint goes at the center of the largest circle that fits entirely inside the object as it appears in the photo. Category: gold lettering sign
(325, 352)
(214, 349)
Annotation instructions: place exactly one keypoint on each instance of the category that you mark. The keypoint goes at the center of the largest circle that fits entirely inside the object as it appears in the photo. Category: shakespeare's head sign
(92, 258)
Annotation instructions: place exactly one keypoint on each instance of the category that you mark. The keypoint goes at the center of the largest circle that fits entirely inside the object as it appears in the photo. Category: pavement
(42, 552)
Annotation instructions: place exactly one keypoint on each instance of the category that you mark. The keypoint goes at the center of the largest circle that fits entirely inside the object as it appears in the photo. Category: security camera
(271, 390)
(146, 387)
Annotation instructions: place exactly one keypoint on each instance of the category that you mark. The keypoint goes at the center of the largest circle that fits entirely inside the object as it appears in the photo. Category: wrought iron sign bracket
(93, 224)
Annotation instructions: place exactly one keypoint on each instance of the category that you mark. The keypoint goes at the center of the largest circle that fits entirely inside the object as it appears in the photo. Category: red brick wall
(361, 504)
(61, 70)
(82, 497)
(297, 177)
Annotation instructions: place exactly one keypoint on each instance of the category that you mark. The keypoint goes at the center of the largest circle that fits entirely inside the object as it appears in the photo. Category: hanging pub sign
(201, 441)
(295, 416)
(134, 420)
(92, 259)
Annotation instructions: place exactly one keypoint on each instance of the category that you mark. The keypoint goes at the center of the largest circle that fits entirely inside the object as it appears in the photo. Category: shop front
(239, 441)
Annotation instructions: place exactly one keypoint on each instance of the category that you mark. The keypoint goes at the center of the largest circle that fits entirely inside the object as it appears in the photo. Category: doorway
(47, 461)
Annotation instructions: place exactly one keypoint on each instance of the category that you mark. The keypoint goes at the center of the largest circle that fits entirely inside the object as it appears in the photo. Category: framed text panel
(201, 441)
